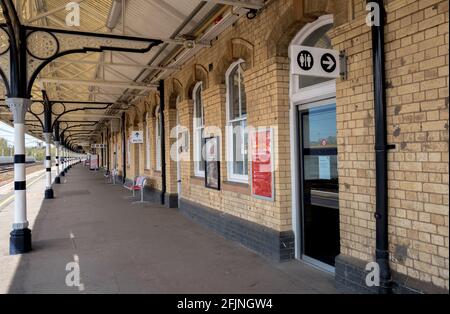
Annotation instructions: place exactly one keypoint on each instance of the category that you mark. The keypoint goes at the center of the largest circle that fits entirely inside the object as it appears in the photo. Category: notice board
(262, 178)
(94, 162)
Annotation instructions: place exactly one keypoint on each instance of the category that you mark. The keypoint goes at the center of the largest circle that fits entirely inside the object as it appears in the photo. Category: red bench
(138, 184)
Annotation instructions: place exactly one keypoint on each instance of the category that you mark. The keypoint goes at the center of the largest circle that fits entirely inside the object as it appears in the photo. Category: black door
(320, 186)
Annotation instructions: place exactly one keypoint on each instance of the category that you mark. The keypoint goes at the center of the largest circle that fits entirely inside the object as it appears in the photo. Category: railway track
(10, 167)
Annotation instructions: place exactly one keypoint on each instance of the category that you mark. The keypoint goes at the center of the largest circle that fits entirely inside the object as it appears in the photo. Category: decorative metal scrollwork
(58, 108)
(4, 41)
(37, 108)
(4, 57)
(42, 45)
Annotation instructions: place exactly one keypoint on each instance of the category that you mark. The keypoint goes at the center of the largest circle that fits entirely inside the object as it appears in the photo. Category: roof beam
(112, 64)
(240, 4)
(51, 12)
(124, 85)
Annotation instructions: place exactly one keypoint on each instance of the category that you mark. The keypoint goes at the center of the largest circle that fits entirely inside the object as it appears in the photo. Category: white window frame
(229, 142)
(158, 165)
(148, 163)
(198, 127)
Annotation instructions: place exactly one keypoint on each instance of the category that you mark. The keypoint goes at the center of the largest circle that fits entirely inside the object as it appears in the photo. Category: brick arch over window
(147, 105)
(291, 22)
(128, 120)
(200, 74)
(239, 49)
(177, 91)
(136, 116)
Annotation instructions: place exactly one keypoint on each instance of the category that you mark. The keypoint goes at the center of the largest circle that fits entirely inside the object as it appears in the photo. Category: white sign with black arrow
(310, 61)
(137, 137)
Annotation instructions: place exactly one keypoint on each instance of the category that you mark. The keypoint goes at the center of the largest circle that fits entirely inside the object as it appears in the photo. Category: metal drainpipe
(102, 152)
(163, 141)
(108, 157)
(124, 152)
(381, 149)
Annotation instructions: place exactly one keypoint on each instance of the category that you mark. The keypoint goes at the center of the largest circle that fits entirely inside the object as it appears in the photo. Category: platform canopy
(110, 81)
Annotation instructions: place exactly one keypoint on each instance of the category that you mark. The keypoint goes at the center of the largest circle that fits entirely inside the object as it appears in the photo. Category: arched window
(237, 137)
(158, 139)
(199, 126)
(147, 142)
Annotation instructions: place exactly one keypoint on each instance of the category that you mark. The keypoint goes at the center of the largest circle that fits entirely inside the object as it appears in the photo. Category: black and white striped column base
(49, 191)
(20, 241)
(49, 194)
(57, 179)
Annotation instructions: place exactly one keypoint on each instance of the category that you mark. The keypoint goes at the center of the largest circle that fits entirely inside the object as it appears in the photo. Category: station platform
(125, 248)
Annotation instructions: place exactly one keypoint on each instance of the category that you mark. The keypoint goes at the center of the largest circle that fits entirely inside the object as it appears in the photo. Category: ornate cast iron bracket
(26, 50)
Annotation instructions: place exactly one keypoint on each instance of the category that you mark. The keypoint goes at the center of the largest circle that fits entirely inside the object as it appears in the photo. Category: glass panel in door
(320, 189)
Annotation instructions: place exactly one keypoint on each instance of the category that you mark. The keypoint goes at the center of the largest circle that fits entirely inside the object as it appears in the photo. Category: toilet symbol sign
(310, 61)
(305, 60)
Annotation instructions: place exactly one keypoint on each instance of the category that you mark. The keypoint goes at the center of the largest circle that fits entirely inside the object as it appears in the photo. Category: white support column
(48, 166)
(63, 167)
(57, 179)
(20, 237)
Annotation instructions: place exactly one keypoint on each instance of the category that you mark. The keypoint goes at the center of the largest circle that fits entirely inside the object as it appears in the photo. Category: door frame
(321, 91)
(300, 108)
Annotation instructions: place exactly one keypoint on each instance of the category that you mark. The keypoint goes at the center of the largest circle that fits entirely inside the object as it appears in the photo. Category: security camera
(189, 44)
(252, 13)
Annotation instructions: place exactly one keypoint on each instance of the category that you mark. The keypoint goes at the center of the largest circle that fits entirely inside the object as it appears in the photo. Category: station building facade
(322, 141)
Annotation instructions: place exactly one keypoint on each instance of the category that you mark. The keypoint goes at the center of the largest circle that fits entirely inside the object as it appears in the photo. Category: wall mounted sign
(212, 163)
(262, 164)
(137, 137)
(310, 61)
(100, 146)
(324, 167)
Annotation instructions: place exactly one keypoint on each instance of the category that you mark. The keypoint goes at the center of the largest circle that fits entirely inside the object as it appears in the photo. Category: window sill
(241, 188)
(198, 180)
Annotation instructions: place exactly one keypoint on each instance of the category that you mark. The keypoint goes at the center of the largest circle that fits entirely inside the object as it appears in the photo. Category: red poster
(262, 170)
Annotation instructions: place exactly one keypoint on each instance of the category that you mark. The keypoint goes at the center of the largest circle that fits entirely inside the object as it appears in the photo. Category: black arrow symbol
(328, 62)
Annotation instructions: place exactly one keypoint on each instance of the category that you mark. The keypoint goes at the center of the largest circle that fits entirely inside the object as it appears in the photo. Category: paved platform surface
(124, 248)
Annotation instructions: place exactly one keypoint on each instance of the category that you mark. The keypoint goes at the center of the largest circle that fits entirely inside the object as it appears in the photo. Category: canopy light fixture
(114, 14)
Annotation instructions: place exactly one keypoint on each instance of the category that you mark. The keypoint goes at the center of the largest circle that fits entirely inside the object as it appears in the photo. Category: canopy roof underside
(118, 78)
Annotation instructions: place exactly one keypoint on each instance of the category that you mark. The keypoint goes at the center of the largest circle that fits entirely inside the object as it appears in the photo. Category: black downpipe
(381, 149)
(47, 113)
(124, 151)
(108, 157)
(163, 141)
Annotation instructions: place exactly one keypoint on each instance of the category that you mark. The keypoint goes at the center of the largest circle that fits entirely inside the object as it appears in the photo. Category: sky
(7, 133)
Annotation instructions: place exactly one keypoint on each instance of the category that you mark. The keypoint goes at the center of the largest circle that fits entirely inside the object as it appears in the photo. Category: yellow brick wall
(417, 95)
(417, 108)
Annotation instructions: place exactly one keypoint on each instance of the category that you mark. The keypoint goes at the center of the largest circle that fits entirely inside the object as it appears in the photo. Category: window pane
(200, 160)
(198, 106)
(240, 148)
(243, 94)
(234, 94)
(320, 128)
